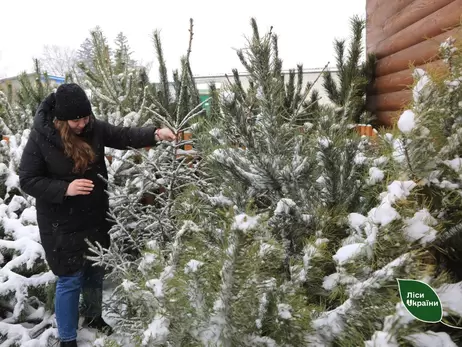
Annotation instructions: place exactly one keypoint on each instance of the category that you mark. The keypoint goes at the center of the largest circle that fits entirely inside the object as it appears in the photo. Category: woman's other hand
(165, 134)
(80, 187)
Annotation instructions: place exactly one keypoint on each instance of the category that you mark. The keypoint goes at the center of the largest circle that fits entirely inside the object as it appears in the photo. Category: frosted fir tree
(115, 84)
(355, 76)
(413, 229)
(235, 269)
(119, 91)
(146, 206)
(32, 93)
(259, 263)
(26, 283)
(18, 115)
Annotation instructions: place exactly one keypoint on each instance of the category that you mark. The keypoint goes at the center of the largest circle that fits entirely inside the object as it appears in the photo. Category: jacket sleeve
(33, 179)
(124, 137)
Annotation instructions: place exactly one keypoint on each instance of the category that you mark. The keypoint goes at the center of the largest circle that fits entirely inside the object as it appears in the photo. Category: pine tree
(146, 205)
(301, 238)
(26, 283)
(231, 271)
(31, 94)
(113, 83)
(18, 116)
(122, 54)
(355, 76)
(86, 53)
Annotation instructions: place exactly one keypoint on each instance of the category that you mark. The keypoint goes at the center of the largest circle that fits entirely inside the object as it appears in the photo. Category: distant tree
(58, 60)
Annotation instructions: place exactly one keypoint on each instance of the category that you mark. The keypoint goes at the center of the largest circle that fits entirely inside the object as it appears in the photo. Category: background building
(405, 34)
(14, 82)
(313, 75)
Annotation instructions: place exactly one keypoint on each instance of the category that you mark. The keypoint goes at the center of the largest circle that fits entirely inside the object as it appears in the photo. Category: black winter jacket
(45, 172)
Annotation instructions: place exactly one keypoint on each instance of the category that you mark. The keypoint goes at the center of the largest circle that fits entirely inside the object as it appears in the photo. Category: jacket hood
(44, 118)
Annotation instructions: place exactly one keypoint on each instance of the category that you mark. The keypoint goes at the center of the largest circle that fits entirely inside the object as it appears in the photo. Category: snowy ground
(48, 337)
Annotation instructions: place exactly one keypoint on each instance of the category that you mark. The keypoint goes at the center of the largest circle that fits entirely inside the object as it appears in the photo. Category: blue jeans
(89, 282)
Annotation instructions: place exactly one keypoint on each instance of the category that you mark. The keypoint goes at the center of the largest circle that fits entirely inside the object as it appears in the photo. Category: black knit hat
(71, 102)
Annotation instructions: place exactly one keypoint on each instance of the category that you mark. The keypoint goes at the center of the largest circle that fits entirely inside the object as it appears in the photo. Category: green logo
(421, 301)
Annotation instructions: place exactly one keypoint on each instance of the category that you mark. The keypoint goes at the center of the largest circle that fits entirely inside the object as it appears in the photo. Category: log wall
(405, 34)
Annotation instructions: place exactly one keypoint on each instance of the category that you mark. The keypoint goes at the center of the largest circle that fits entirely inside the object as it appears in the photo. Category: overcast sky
(306, 29)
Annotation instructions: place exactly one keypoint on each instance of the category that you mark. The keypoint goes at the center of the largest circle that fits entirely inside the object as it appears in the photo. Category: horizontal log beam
(390, 101)
(387, 118)
(371, 6)
(433, 25)
(421, 53)
(404, 79)
(410, 14)
(378, 13)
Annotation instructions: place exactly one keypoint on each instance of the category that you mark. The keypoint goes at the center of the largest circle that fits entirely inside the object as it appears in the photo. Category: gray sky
(306, 29)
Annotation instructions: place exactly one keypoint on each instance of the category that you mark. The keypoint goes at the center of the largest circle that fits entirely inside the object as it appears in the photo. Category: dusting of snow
(380, 161)
(422, 81)
(29, 216)
(220, 200)
(398, 151)
(146, 261)
(284, 206)
(321, 179)
(3, 169)
(382, 339)
(331, 281)
(157, 286)
(360, 159)
(244, 222)
(324, 142)
(419, 227)
(398, 190)
(455, 164)
(384, 214)
(356, 221)
(406, 122)
(451, 297)
(128, 285)
(348, 253)
(431, 339)
(192, 266)
(157, 331)
(375, 175)
(264, 249)
(284, 311)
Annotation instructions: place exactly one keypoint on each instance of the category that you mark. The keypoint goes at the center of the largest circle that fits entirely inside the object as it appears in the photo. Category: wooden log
(365, 130)
(403, 79)
(389, 101)
(187, 136)
(410, 14)
(388, 118)
(371, 6)
(421, 53)
(378, 14)
(436, 23)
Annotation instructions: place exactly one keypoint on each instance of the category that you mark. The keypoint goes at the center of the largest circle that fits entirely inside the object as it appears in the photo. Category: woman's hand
(79, 187)
(165, 134)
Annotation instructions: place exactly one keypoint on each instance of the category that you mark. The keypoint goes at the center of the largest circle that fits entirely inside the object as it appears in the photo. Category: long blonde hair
(75, 147)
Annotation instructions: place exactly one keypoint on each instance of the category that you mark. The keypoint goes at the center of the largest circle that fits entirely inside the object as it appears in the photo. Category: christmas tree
(284, 226)
(18, 115)
(302, 230)
(26, 283)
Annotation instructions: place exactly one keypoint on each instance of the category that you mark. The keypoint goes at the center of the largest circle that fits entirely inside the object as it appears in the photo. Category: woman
(60, 167)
